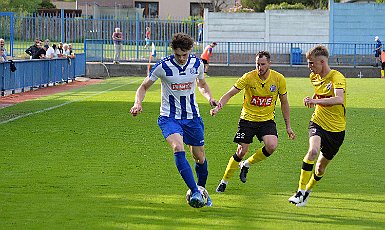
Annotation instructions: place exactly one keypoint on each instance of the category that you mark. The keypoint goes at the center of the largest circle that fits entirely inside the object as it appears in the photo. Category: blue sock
(202, 173)
(185, 170)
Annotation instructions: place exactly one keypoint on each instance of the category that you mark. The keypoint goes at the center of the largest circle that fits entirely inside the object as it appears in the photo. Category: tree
(260, 5)
(216, 5)
(46, 4)
(19, 5)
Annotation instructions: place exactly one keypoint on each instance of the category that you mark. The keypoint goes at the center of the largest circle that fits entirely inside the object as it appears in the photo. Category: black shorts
(330, 141)
(205, 61)
(248, 129)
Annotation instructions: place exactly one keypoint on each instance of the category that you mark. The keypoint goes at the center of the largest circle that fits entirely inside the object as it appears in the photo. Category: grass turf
(85, 163)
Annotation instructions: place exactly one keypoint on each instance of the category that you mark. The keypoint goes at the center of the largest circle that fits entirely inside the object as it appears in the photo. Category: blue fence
(31, 74)
(236, 53)
(22, 29)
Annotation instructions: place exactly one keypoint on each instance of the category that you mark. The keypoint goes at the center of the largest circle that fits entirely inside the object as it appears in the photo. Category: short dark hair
(182, 41)
(263, 53)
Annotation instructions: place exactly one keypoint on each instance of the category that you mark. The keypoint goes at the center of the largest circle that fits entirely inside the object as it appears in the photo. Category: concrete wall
(270, 26)
(357, 22)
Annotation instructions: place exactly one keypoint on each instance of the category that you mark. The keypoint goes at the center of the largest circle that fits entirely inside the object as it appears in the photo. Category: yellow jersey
(330, 117)
(260, 96)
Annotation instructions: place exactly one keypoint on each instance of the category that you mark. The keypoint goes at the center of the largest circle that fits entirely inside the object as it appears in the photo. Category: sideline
(63, 104)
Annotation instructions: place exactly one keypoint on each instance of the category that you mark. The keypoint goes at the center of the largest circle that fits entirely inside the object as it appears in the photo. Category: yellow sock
(313, 181)
(230, 169)
(257, 157)
(306, 170)
(382, 73)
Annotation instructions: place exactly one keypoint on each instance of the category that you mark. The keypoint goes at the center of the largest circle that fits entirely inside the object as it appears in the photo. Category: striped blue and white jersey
(178, 86)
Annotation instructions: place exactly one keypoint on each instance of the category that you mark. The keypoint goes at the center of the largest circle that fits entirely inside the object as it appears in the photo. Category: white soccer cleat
(305, 199)
(296, 198)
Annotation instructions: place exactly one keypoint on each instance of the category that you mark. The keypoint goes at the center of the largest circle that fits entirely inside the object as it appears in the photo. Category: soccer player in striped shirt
(263, 86)
(328, 122)
(180, 120)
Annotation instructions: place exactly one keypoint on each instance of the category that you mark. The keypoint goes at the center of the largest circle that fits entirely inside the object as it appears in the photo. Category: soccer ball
(202, 190)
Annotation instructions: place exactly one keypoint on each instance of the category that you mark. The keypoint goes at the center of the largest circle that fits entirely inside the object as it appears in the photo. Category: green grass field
(78, 160)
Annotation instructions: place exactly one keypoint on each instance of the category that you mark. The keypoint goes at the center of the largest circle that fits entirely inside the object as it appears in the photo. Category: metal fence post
(355, 56)
(290, 54)
(228, 53)
(62, 25)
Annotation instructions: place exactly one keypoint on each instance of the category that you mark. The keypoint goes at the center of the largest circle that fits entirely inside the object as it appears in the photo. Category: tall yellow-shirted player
(328, 122)
(263, 87)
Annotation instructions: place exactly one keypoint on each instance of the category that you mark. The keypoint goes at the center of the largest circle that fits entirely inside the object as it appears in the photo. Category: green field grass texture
(79, 160)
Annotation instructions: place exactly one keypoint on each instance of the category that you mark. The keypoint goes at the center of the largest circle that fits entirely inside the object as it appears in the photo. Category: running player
(179, 119)
(263, 86)
(327, 125)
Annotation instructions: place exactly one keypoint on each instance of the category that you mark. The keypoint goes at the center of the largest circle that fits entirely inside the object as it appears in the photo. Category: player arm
(205, 91)
(224, 99)
(286, 114)
(338, 99)
(139, 96)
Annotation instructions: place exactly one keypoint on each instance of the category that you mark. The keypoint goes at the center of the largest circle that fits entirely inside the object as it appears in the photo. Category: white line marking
(60, 105)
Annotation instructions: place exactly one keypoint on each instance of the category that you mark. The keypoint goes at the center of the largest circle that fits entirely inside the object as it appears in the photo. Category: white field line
(60, 105)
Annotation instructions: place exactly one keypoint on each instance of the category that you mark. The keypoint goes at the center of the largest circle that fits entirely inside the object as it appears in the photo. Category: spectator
(117, 38)
(70, 48)
(2, 44)
(60, 48)
(377, 50)
(34, 48)
(200, 33)
(147, 37)
(40, 54)
(66, 50)
(56, 52)
(2, 57)
(46, 42)
(206, 55)
(49, 52)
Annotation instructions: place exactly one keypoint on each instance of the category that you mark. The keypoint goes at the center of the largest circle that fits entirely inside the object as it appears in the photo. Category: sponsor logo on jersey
(181, 86)
(193, 70)
(261, 101)
(329, 86)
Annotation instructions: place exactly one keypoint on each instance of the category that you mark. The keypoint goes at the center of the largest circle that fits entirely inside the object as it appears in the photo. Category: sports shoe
(221, 187)
(304, 200)
(209, 201)
(296, 198)
(244, 171)
(196, 200)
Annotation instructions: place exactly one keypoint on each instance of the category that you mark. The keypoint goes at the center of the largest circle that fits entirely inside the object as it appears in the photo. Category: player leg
(261, 154)
(233, 165)
(383, 69)
(307, 167)
(330, 142)
(266, 132)
(319, 171)
(173, 133)
(194, 137)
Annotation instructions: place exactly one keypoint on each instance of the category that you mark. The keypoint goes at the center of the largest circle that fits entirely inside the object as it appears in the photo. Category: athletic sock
(202, 173)
(306, 170)
(260, 155)
(231, 167)
(313, 181)
(185, 170)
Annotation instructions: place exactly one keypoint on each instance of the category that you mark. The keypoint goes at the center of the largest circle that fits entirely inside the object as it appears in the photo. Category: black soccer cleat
(244, 171)
(221, 187)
